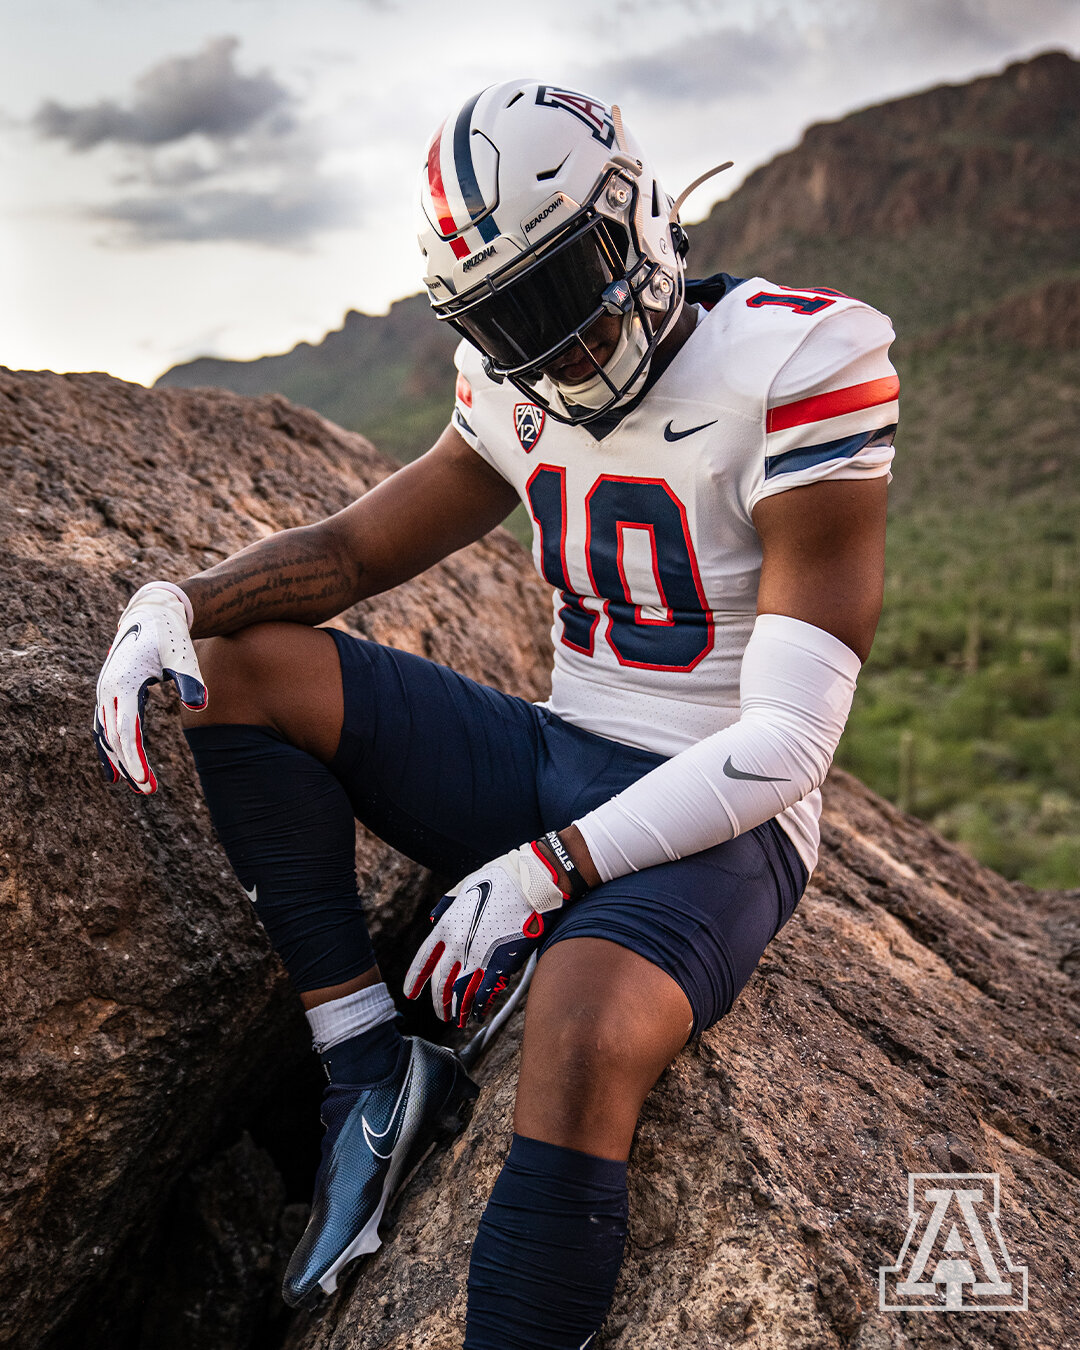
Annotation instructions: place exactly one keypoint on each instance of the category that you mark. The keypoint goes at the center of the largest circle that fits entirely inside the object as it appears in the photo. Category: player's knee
(239, 669)
(589, 1049)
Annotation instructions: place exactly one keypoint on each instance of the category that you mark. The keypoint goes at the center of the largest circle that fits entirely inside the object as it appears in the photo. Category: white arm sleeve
(795, 688)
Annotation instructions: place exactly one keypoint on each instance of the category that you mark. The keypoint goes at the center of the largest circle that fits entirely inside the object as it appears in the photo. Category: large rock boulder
(144, 1022)
(917, 1015)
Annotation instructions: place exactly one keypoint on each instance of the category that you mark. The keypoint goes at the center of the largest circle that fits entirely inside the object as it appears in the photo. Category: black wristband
(571, 881)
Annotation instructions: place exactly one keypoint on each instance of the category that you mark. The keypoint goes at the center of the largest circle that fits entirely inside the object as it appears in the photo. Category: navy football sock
(288, 830)
(548, 1250)
(366, 1058)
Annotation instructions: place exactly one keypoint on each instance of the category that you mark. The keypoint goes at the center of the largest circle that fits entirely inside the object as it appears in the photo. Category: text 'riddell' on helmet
(541, 215)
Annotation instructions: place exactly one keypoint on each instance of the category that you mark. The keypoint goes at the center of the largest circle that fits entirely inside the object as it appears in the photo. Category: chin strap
(620, 141)
(623, 158)
(616, 122)
(709, 173)
(595, 391)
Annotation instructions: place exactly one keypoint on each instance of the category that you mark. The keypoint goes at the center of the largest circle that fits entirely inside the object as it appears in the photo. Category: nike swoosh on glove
(484, 931)
(153, 643)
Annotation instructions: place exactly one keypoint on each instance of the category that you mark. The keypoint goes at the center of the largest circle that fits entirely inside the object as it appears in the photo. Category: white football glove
(484, 930)
(153, 643)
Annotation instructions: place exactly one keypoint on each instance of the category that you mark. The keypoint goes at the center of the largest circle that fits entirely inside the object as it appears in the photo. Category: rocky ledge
(918, 1015)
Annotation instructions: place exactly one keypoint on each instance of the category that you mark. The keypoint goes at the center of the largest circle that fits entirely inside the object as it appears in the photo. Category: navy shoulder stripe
(806, 456)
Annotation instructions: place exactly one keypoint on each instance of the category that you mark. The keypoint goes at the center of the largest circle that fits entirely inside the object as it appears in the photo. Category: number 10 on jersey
(676, 640)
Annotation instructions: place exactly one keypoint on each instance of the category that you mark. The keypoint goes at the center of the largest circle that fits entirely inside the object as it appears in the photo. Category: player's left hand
(484, 931)
(152, 644)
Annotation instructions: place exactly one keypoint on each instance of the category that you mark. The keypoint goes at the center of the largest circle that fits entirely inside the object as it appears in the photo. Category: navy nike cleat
(372, 1136)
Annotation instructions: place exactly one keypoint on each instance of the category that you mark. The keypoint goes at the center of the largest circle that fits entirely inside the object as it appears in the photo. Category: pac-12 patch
(528, 423)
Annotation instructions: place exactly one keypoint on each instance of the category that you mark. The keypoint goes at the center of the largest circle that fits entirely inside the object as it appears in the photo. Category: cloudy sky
(183, 177)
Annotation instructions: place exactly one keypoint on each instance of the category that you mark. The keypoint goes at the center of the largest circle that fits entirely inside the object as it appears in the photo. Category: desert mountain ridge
(993, 150)
(933, 207)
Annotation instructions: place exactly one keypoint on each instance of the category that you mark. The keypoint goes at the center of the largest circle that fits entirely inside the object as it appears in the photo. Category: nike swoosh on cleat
(396, 1117)
(670, 435)
(484, 888)
(733, 772)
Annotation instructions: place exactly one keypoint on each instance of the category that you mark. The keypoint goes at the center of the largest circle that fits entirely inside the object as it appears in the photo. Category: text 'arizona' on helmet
(541, 214)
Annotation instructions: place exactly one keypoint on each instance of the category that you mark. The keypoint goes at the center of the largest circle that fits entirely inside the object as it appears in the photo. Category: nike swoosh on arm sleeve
(796, 689)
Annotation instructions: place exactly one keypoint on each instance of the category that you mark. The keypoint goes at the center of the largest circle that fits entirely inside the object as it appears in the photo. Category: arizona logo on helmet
(595, 115)
(528, 423)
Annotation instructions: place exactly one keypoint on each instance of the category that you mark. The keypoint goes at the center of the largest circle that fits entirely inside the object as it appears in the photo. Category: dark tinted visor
(541, 306)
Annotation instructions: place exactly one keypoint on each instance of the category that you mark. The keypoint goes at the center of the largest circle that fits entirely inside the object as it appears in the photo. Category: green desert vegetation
(955, 212)
(968, 711)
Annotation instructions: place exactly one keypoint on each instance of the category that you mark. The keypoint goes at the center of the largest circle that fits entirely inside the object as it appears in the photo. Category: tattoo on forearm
(283, 577)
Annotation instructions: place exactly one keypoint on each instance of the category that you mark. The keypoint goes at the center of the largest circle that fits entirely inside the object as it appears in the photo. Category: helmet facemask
(525, 316)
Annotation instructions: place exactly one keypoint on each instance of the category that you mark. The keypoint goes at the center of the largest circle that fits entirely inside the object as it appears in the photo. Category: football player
(705, 464)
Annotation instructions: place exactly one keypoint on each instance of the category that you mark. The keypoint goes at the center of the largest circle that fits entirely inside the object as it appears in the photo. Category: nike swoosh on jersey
(396, 1117)
(670, 435)
(733, 772)
(484, 888)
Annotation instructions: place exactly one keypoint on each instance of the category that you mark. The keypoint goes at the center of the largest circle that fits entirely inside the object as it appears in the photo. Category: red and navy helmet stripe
(450, 165)
(447, 224)
(466, 172)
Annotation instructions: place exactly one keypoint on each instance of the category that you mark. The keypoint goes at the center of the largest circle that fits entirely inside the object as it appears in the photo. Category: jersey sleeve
(833, 406)
(462, 418)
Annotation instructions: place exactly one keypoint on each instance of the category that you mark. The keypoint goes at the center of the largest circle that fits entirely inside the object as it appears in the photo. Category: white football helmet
(541, 214)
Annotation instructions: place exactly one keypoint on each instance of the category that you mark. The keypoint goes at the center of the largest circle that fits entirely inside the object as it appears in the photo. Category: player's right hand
(485, 930)
(153, 643)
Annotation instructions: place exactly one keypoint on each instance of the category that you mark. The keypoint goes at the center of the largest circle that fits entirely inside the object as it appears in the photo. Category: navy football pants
(453, 773)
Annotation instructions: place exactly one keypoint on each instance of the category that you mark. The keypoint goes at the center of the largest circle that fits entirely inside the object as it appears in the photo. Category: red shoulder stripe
(834, 404)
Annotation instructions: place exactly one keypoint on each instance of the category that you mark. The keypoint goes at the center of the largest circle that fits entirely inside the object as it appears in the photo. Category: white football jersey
(647, 534)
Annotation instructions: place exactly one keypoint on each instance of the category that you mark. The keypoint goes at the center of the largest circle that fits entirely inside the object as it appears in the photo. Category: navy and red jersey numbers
(802, 302)
(546, 491)
(620, 510)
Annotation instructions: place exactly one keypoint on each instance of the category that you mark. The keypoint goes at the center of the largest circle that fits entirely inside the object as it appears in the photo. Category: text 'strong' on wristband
(573, 884)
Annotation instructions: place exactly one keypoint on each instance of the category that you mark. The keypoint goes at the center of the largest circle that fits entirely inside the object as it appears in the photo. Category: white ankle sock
(342, 1018)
